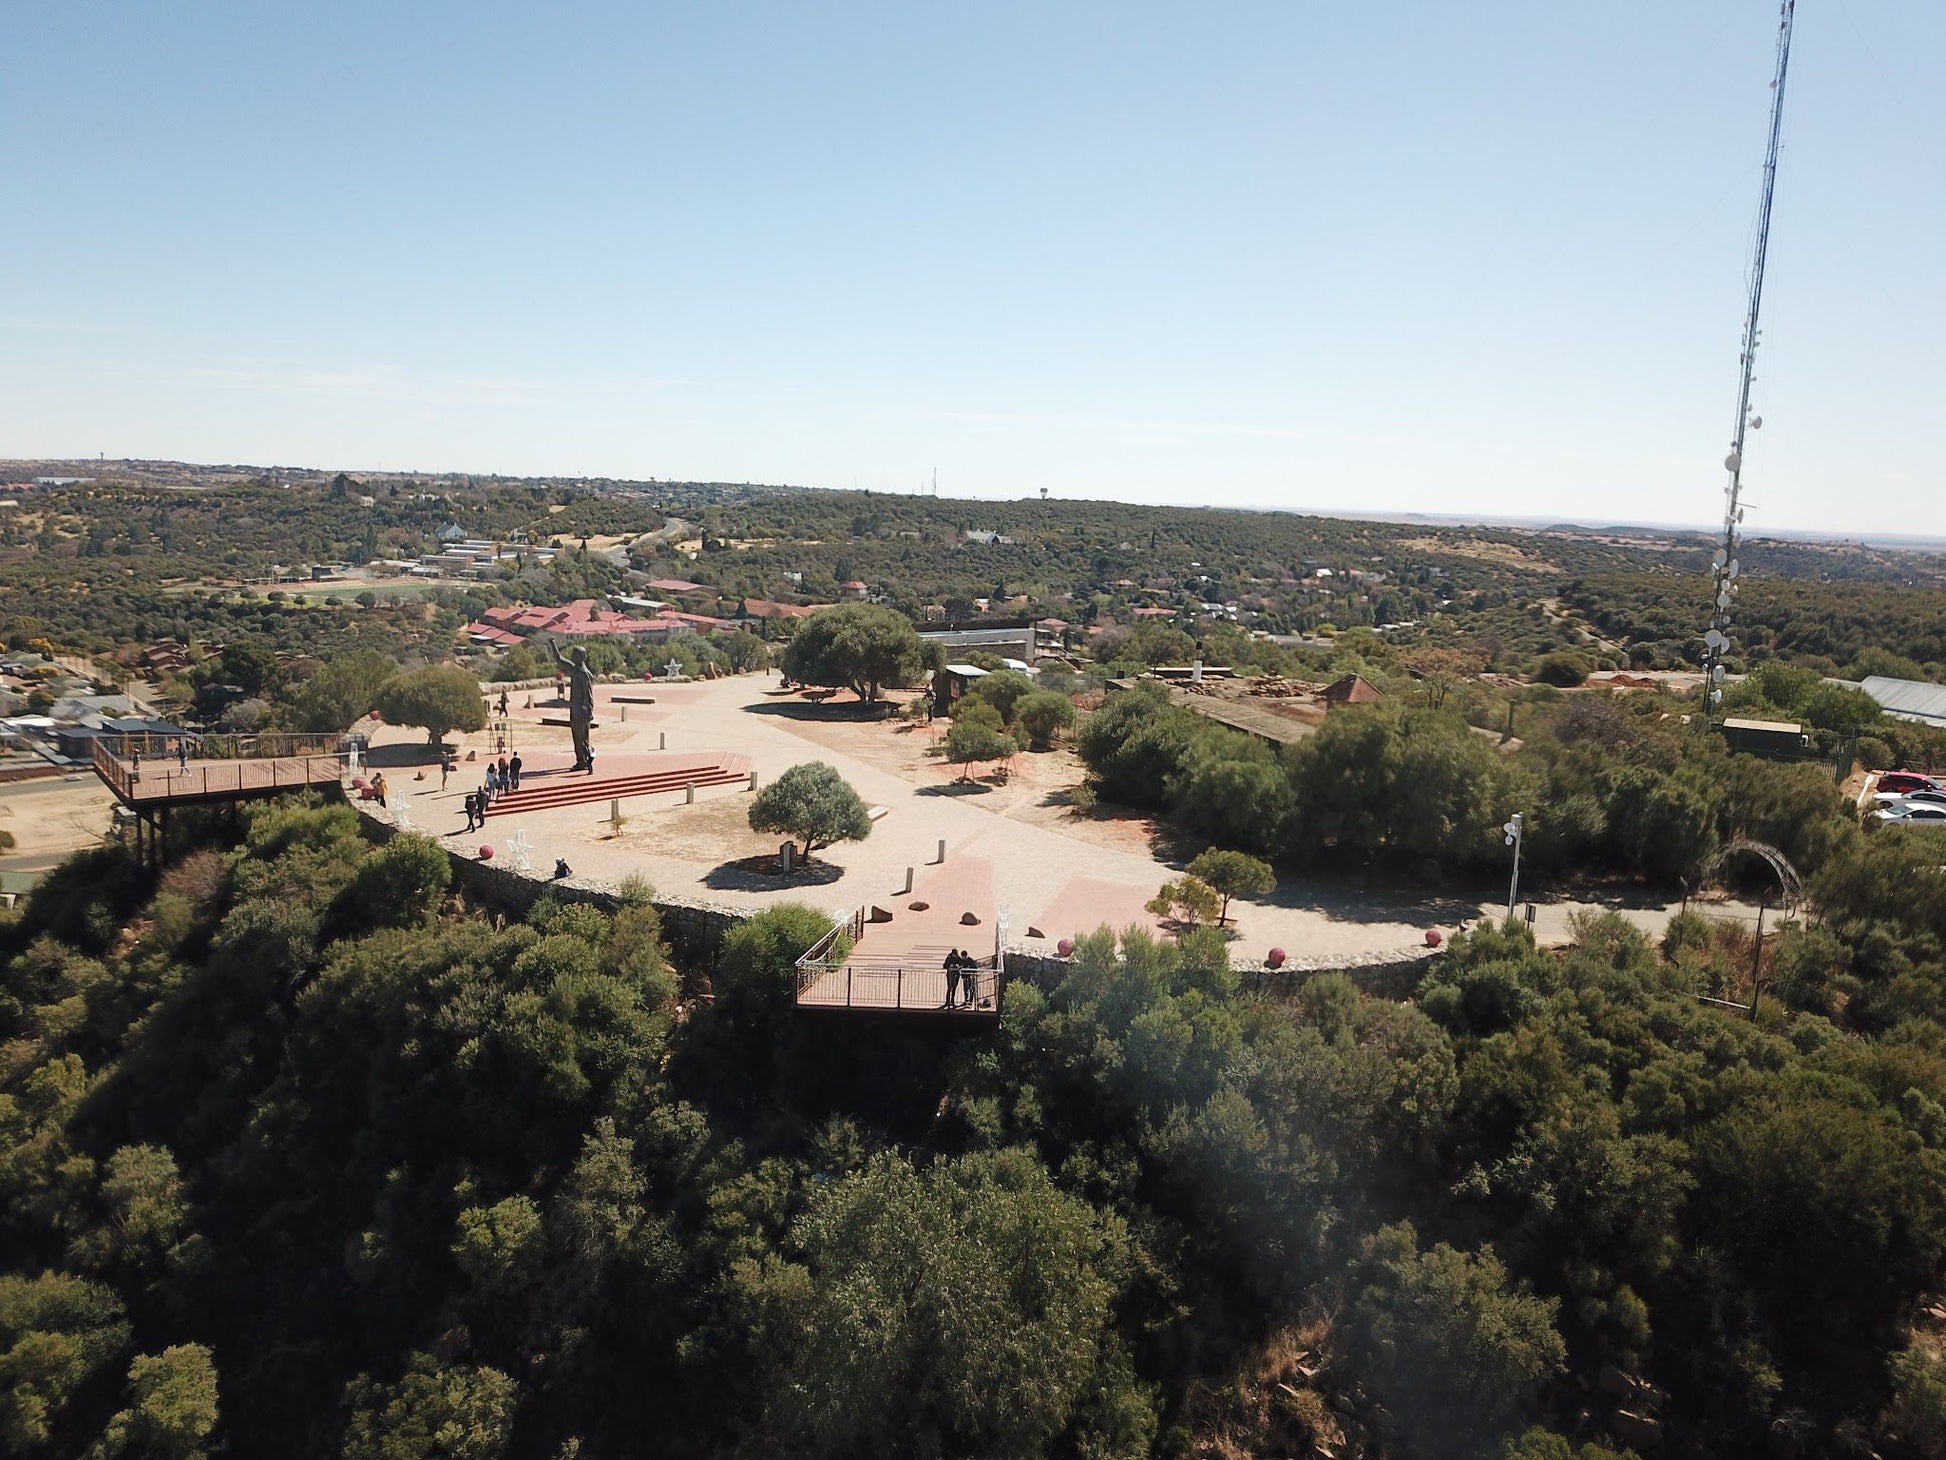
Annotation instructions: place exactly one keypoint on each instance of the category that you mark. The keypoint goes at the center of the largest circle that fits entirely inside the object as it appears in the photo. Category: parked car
(1902, 783)
(1913, 811)
(1936, 798)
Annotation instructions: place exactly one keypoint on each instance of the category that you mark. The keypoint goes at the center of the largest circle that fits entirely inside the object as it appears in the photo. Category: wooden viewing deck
(149, 777)
(908, 985)
(143, 771)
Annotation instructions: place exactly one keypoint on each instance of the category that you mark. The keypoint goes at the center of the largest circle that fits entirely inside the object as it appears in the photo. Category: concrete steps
(570, 789)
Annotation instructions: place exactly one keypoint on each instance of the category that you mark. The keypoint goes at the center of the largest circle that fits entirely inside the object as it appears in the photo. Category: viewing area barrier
(914, 983)
(150, 774)
(147, 770)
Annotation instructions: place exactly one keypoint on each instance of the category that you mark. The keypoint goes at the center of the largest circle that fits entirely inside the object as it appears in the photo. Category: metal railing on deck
(899, 985)
(139, 767)
(265, 745)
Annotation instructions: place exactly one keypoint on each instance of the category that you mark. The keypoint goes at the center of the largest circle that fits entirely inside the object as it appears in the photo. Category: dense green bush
(296, 1157)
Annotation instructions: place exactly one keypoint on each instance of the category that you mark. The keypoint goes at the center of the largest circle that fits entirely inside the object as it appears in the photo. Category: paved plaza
(1046, 882)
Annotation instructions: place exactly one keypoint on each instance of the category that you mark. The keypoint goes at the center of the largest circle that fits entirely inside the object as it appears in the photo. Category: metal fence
(148, 767)
(900, 985)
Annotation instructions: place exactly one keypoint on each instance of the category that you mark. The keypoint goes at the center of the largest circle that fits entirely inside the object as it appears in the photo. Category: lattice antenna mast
(1717, 641)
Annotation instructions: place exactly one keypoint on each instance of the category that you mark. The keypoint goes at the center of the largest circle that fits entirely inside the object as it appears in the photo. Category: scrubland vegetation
(300, 1154)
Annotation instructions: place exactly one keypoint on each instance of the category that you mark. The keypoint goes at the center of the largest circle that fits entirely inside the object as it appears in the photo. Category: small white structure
(518, 847)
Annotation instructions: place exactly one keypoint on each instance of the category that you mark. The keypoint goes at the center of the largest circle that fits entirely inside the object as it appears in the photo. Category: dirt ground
(716, 831)
(1033, 787)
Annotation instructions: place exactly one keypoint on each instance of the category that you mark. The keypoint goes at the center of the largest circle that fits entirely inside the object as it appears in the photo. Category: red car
(1904, 783)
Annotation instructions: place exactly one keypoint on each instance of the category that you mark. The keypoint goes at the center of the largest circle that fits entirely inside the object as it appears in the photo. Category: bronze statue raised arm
(581, 701)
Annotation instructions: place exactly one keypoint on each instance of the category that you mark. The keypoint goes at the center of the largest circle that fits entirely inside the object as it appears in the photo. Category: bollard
(942, 851)
(690, 799)
(787, 855)
(615, 812)
(624, 714)
(753, 780)
(662, 743)
(908, 883)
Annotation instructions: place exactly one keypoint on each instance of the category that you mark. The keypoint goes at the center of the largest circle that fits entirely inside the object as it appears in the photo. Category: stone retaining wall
(695, 931)
(1393, 977)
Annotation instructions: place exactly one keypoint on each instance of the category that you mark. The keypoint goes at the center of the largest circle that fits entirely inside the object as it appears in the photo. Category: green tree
(1232, 874)
(1454, 1349)
(342, 691)
(1043, 715)
(500, 1247)
(173, 1410)
(1563, 670)
(396, 886)
(1004, 691)
(454, 1411)
(1873, 660)
(1840, 710)
(746, 652)
(933, 1294)
(440, 697)
(858, 646)
(1135, 743)
(812, 804)
(147, 1212)
(970, 743)
(251, 666)
(56, 1332)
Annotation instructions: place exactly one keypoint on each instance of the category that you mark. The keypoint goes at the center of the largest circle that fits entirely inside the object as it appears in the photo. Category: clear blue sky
(1414, 256)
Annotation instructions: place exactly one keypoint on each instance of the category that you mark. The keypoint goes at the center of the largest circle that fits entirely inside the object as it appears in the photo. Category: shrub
(1188, 901)
(1564, 670)
(1043, 715)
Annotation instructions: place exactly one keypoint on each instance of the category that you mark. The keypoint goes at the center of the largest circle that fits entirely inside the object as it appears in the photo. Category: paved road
(51, 817)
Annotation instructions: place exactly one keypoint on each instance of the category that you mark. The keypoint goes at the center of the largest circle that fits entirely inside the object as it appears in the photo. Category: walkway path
(1048, 883)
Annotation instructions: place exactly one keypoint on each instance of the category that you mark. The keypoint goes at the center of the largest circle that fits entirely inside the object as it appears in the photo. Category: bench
(567, 724)
(632, 699)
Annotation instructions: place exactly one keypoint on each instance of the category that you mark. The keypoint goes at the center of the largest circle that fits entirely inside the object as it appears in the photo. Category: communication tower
(1716, 642)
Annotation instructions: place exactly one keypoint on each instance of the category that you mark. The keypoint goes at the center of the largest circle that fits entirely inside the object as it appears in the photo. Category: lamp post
(1513, 830)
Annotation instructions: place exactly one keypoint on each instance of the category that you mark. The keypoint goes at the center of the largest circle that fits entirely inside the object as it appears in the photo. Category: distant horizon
(1255, 254)
(1899, 542)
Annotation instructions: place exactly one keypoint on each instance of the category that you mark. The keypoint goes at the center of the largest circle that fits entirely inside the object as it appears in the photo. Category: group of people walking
(502, 776)
(962, 968)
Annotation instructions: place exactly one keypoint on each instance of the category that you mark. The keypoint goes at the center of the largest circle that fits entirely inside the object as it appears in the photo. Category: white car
(1895, 798)
(1913, 811)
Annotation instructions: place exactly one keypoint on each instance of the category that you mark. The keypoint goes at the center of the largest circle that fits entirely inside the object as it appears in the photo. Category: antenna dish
(1733, 462)
(1756, 423)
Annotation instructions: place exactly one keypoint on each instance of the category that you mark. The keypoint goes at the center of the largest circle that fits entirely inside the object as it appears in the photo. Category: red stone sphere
(1065, 947)
(375, 714)
(486, 853)
(1275, 958)
(1434, 937)
(359, 783)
